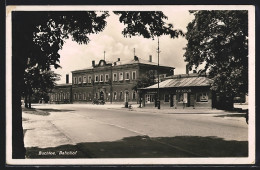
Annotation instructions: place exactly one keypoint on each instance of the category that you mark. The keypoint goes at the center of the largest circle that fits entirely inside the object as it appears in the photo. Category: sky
(115, 45)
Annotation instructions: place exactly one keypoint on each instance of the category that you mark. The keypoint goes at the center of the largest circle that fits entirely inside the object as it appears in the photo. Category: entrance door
(101, 95)
(192, 100)
(171, 100)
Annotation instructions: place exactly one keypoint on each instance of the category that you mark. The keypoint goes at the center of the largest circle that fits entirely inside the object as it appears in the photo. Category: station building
(181, 91)
(108, 81)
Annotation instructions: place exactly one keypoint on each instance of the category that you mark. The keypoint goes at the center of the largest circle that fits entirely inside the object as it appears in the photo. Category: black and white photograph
(137, 84)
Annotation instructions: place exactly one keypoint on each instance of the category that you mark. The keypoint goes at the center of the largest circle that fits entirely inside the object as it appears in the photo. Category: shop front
(187, 92)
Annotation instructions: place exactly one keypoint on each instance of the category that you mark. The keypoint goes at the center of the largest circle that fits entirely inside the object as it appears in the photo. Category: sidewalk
(167, 110)
(148, 109)
(186, 111)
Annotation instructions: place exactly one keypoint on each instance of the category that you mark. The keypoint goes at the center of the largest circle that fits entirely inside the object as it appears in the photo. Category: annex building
(181, 91)
(108, 81)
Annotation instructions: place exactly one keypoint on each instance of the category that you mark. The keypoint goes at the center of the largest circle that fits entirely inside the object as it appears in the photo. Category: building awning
(183, 82)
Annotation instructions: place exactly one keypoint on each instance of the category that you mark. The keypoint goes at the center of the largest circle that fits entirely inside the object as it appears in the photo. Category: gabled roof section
(183, 82)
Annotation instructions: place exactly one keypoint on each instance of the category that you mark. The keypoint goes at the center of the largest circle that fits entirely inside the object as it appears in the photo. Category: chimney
(67, 79)
(118, 59)
(93, 63)
(135, 58)
(187, 69)
(150, 58)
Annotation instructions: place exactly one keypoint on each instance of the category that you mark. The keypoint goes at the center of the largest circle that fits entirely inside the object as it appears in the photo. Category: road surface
(78, 123)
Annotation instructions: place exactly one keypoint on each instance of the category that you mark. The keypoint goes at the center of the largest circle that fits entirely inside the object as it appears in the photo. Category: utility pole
(134, 51)
(158, 91)
(104, 55)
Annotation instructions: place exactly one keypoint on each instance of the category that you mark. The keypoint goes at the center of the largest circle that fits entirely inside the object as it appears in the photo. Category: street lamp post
(158, 91)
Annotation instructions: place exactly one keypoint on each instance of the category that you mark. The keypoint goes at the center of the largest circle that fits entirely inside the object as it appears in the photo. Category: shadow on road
(146, 147)
(56, 110)
(43, 112)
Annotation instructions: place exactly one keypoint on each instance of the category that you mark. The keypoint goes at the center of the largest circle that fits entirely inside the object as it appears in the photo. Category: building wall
(61, 94)
(85, 87)
(117, 90)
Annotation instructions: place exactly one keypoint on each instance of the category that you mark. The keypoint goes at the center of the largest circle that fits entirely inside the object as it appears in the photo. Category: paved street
(81, 123)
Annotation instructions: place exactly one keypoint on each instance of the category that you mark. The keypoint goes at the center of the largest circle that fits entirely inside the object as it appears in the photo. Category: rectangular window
(166, 98)
(121, 76)
(202, 97)
(114, 76)
(121, 96)
(101, 78)
(79, 80)
(75, 96)
(84, 79)
(127, 76)
(134, 75)
(75, 80)
(84, 96)
(106, 77)
(89, 79)
(115, 96)
(96, 78)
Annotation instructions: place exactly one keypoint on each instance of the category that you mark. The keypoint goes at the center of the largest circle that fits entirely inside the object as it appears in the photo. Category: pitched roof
(140, 61)
(183, 82)
(84, 69)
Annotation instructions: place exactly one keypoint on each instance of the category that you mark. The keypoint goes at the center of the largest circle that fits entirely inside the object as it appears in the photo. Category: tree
(148, 24)
(145, 80)
(38, 82)
(40, 35)
(219, 39)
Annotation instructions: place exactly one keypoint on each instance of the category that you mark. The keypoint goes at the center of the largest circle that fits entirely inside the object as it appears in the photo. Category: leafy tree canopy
(145, 80)
(146, 23)
(219, 39)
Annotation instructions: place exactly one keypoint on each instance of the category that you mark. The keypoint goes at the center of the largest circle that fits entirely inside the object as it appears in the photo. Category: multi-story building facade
(112, 81)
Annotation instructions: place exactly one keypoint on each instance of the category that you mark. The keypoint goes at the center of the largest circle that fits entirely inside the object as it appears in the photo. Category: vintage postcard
(130, 85)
